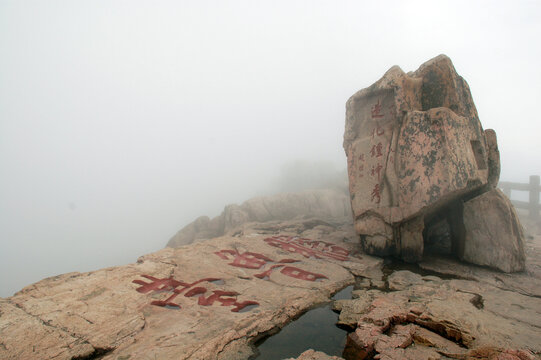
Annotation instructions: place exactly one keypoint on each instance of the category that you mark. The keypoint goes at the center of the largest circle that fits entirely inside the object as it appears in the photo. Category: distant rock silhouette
(328, 204)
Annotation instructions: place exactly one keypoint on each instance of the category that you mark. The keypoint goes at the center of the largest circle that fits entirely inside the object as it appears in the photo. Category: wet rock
(350, 311)
(494, 236)
(416, 151)
(329, 204)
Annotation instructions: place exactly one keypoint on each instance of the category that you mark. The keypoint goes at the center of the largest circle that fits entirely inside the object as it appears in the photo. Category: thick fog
(122, 121)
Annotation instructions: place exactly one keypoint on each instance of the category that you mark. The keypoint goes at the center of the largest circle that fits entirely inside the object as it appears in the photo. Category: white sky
(121, 121)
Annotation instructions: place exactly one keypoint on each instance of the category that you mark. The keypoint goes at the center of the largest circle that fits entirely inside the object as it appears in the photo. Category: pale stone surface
(401, 280)
(105, 313)
(416, 150)
(494, 236)
(329, 204)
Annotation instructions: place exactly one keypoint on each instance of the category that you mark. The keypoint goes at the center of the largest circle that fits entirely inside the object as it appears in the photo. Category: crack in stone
(477, 299)
(512, 318)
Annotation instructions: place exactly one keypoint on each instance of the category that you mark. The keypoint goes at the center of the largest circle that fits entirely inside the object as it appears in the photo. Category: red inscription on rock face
(293, 272)
(376, 150)
(157, 284)
(301, 274)
(172, 285)
(290, 271)
(247, 260)
(376, 111)
(377, 131)
(376, 196)
(309, 248)
(376, 170)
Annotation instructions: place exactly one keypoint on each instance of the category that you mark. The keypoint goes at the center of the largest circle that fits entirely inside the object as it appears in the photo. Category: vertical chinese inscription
(371, 154)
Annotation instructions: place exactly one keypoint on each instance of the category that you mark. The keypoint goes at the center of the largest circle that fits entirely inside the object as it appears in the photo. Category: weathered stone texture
(425, 317)
(209, 300)
(492, 235)
(416, 149)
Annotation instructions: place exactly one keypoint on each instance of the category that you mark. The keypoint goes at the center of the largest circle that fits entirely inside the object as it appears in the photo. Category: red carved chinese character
(377, 131)
(301, 274)
(376, 111)
(266, 274)
(157, 284)
(376, 194)
(278, 241)
(376, 170)
(361, 157)
(220, 296)
(377, 150)
(257, 261)
(171, 285)
(247, 260)
(309, 248)
(293, 272)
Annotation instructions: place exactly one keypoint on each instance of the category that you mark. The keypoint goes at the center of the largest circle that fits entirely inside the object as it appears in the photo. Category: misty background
(122, 121)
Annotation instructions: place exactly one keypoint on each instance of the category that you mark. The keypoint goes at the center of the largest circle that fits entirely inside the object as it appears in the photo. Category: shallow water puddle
(315, 329)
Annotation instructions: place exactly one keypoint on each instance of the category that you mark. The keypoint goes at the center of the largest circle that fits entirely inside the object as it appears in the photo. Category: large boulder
(416, 150)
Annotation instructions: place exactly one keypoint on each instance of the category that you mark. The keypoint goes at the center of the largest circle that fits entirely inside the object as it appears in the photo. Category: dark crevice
(478, 301)
(98, 353)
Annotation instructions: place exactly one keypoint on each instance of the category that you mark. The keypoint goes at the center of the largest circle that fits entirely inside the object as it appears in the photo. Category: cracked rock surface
(209, 300)
(216, 298)
(467, 312)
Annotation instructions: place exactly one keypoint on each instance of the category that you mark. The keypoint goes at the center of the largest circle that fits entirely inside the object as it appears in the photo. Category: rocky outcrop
(416, 153)
(215, 299)
(426, 317)
(210, 300)
(329, 204)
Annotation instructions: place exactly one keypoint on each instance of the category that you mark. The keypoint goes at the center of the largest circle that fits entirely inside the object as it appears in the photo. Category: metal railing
(533, 188)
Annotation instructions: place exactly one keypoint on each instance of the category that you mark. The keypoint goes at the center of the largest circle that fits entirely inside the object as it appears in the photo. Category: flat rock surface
(208, 300)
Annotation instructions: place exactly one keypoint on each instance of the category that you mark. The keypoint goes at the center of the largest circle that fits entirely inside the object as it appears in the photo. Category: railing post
(534, 197)
(506, 188)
